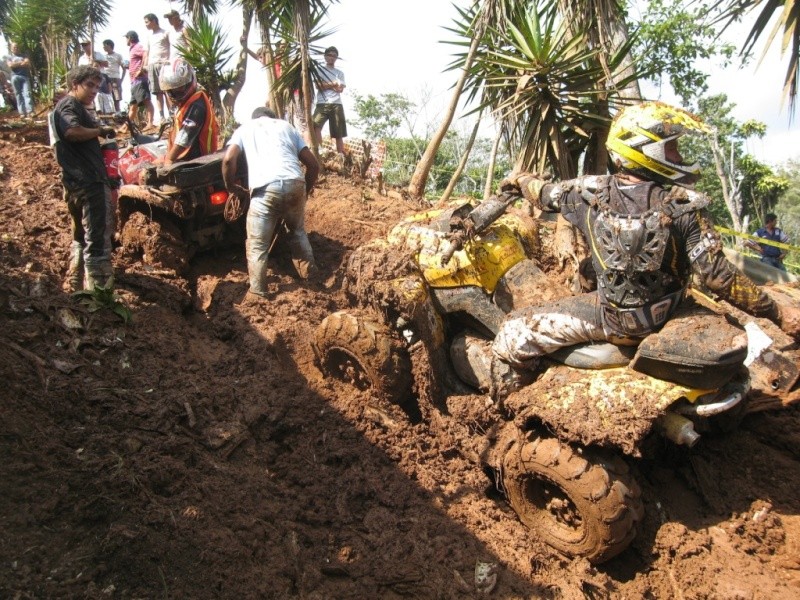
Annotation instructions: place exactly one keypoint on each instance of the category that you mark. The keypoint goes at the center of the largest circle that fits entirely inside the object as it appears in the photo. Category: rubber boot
(99, 275)
(75, 273)
(257, 270)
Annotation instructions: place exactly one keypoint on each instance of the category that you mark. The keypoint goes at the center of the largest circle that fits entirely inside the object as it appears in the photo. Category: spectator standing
(115, 71)
(329, 100)
(195, 131)
(20, 66)
(771, 255)
(140, 86)
(275, 153)
(178, 36)
(156, 55)
(103, 102)
(74, 133)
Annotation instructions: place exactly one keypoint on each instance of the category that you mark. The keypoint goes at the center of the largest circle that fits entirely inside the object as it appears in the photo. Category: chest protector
(628, 251)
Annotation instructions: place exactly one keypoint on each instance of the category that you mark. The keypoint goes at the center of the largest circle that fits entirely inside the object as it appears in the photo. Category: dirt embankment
(199, 453)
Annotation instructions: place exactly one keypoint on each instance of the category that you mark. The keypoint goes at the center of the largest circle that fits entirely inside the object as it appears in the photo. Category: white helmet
(177, 76)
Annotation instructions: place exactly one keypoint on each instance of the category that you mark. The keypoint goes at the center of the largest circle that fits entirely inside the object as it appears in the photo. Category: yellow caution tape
(757, 239)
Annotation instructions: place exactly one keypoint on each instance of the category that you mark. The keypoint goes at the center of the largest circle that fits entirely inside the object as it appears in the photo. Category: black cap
(131, 34)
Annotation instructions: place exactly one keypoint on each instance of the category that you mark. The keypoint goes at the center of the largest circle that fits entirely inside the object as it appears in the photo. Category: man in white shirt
(329, 101)
(102, 102)
(178, 36)
(156, 55)
(115, 72)
(275, 154)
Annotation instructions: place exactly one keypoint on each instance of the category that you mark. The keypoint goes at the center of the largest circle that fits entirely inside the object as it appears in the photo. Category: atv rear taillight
(219, 197)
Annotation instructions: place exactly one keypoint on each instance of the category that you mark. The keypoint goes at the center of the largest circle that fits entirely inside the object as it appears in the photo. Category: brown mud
(199, 453)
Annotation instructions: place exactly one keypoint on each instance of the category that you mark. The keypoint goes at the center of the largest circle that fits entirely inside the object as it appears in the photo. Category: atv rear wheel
(365, 354)
(159, 242)
(577, 503)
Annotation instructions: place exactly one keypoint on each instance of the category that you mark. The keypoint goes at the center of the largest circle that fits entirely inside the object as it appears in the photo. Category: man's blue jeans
(773, 261)
(22, 90)
(279, 200)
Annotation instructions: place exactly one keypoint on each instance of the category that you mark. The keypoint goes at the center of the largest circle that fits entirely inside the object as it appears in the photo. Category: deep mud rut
(199, 453)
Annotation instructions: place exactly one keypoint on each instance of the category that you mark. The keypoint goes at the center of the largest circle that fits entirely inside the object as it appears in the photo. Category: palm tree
(789, 21)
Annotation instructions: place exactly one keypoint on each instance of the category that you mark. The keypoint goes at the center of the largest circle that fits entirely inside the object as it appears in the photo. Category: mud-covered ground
(199, 453)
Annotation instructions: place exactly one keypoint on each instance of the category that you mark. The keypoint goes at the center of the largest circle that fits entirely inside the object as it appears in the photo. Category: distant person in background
(178, 37)
(20, 66)
(156, 55)
(74, 133)
(115, 71)
(771, 255)
(329, 100)
(140, 86)
(276, 154)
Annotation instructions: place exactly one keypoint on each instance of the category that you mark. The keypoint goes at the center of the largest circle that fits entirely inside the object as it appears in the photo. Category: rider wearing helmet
(195, 129)
(648, 235)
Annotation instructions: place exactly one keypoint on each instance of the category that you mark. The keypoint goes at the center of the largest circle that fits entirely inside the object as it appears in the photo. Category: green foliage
(542, 81)
(103, 297)
(673, 37)
(381, 118)
(788, 209)
(205, 49)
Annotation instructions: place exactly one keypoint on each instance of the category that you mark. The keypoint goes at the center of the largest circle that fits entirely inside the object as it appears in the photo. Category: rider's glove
(108, 132)
(529, 184)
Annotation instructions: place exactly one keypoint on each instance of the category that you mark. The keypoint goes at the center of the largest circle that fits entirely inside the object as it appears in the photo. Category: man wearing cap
(140, 88)
(329, 101)
(156, 55)
(178, 38)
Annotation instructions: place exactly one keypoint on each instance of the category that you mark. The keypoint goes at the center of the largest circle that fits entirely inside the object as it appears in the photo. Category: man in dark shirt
(74, 133)
(771, 255)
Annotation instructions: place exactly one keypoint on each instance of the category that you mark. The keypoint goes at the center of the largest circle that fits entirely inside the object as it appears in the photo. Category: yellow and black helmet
(639, 133)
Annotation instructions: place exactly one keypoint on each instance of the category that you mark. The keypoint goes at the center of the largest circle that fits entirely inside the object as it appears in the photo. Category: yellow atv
(438, 287)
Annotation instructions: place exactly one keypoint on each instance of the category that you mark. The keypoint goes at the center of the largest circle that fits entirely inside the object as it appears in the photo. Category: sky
(386, 46)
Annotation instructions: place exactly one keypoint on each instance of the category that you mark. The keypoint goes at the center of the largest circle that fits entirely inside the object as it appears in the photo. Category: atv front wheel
(365, 354)
(579, 504)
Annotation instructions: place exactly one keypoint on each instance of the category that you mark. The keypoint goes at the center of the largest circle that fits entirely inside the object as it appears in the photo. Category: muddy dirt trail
(199, 453)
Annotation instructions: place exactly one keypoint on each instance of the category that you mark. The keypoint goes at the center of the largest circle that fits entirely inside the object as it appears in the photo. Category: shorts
(140, 92)
(153, 71)
(116, 89)
(334, 113)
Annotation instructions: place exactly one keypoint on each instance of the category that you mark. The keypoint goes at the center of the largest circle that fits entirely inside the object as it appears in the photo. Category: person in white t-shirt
(156, 55)
(115, 72)
(103, 102)
(275, 154)
(329, 100)
(177, 37)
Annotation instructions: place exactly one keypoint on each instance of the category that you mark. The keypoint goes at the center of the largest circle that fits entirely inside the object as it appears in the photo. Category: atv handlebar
(477, 220)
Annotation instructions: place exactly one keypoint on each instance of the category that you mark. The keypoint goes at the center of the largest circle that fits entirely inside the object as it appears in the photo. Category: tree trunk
(487, 189)
(420, 177)
(731, 193)
(240, 70)
(302, 25)
(462, 163)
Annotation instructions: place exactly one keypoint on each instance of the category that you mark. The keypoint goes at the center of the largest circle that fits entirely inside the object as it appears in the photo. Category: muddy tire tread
(603, 490)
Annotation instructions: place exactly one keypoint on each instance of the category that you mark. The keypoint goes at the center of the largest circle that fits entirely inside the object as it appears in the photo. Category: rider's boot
(475, 364)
